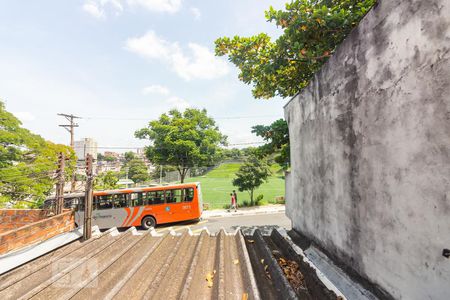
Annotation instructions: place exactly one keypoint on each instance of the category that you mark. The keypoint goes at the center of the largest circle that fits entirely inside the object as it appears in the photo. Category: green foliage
(259, 199)
(183, 139)
(130, 155)
(137, 170)
(277, 137)
(234, 154)
(110, 158)
(251, 175)
(27, 163)
(311, 32)
(106, 181)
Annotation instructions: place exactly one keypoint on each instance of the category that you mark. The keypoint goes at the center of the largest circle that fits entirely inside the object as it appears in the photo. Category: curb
(221, 215)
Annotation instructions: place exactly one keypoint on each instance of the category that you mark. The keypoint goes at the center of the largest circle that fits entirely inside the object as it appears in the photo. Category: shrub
(258, 200)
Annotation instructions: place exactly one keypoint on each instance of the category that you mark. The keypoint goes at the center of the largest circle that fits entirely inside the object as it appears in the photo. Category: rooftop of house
(136, 265)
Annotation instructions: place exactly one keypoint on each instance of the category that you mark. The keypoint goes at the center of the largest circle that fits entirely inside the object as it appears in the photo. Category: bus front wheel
(148, 222)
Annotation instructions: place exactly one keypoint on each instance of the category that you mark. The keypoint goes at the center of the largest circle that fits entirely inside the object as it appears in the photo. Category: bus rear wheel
(148, 222)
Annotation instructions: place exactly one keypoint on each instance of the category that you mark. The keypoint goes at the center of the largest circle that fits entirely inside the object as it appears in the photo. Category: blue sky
(119, 63)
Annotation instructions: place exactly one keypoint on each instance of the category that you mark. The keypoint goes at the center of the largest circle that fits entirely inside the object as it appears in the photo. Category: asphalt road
(230, 223)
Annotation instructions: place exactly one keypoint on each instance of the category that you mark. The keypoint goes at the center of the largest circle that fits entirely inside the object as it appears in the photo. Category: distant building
(84, 147)
(140, 152)
(112, 154)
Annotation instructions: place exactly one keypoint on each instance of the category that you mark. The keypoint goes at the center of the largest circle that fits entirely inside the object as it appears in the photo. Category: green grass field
(216, 186)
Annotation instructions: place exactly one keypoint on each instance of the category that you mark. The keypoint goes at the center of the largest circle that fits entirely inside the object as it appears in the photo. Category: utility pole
(59, 199)
(160, 174)
(87, 228)
(70, 128)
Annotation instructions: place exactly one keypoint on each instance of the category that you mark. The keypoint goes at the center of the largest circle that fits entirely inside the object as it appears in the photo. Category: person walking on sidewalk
(235, 198)
(233, 202)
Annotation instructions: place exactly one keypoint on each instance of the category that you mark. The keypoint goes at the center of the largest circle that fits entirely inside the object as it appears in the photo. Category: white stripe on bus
(141, 208)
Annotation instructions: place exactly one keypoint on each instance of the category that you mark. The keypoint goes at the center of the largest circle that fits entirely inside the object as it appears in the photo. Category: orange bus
(146, 206)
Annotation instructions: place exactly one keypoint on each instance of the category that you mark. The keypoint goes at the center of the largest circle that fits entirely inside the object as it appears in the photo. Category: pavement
(229, 223)
(254, 210)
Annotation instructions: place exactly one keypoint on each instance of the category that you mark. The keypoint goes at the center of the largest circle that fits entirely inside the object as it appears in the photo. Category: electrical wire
(147, 119)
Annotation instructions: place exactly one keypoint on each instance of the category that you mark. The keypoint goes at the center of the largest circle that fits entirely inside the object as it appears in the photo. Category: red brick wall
(36, 232)
(16, 218)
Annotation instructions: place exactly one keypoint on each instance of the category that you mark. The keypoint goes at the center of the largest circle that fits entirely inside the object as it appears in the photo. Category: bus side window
(170, 196)
(120, 200)
(81, 204)
(159, 199)
(136, 199)
(95, 202)
(104, 202)
(150, 198)
(189, 194)
(176, 196)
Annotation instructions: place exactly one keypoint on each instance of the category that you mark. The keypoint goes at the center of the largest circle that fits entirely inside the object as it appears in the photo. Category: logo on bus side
(167, 208)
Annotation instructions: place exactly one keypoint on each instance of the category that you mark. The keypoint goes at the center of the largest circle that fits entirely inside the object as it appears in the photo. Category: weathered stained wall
(370, 150)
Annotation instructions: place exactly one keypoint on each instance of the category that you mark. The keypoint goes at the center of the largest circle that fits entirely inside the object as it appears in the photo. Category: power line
(147, 119)
(137, 147)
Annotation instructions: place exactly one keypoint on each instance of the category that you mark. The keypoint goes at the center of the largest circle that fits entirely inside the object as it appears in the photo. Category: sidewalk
(255, 210)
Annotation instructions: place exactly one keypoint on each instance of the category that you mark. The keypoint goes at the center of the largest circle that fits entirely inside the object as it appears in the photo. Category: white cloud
(196, 13)
(98, 8)
(151, 46)
(178, 103)
(24, 116)
(94, 10)
(169, 6)
(156, 89)
(201, 63)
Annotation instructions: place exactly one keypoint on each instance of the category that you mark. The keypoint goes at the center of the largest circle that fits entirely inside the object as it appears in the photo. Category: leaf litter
(292, 272)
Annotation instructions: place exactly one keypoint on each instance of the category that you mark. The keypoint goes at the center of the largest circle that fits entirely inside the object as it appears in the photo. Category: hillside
(216, 186)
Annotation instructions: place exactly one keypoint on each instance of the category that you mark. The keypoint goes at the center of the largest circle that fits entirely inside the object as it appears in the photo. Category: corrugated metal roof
(133, 265)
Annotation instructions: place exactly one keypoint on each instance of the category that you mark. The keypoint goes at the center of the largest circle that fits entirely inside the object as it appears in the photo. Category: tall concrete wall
(370, 151)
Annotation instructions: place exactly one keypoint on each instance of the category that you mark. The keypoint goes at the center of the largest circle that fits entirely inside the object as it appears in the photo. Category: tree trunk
(183, 173)
(182, 176)
(251, 198)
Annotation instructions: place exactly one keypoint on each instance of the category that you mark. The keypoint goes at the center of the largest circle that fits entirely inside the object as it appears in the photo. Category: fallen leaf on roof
(262, 260)
(245, 296)
(210, 278)
(235, 261)
(251, 241)
(292, 272)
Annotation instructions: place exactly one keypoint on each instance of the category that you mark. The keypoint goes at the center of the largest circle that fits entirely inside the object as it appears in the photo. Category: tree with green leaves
(312, 29)
(129, 155)
(137, 170)
(183, 139)
(106, 181)
(251, 175)
(277, 137)
(28, 163)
